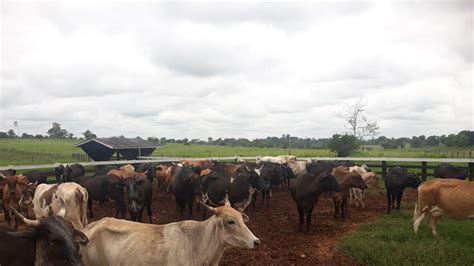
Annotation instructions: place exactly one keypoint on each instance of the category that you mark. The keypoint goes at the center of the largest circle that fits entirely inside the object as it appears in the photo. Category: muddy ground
(277, 225)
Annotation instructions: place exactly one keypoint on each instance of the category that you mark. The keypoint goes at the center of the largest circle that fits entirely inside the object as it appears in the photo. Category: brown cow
(164, 176)
(12, 192)
(347, 179)
(452, 197)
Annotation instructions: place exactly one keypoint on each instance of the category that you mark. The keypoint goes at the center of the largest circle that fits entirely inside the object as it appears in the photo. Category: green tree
(343, 145)
(57, 132)
(89, 135)
(11, 133)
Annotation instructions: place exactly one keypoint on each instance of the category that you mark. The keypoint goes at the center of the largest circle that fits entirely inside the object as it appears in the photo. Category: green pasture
(390, 240)
(42, 151)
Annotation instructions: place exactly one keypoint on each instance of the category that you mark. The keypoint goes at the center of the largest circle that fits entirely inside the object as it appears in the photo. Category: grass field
(35, 151)
(390, 240)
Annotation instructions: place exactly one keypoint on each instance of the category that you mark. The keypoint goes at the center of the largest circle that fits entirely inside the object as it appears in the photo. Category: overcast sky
(236, 69)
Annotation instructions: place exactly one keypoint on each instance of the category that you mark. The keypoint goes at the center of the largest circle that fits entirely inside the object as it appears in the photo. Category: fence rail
(383, 162)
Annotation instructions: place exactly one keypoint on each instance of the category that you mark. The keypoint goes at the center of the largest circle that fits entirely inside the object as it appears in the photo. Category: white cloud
(236, 70)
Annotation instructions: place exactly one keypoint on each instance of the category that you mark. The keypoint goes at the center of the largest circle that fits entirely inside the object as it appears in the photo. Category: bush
(343, 145)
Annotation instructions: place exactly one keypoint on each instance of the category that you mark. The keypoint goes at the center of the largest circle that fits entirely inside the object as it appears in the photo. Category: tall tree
(356, 122)
(89, 135)
(56, 131)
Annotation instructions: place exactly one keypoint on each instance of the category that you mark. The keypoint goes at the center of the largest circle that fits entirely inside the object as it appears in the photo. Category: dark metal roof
(121, 143)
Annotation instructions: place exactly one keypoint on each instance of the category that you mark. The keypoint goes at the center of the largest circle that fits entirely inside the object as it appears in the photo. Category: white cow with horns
(121, 242)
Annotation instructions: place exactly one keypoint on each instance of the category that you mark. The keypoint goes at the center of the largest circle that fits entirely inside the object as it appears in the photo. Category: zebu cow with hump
(49, 241)
(181, 243)
(48, 200)
(438, 197)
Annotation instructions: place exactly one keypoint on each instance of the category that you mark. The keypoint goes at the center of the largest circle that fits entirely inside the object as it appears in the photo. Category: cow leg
(301, 217)
(352, 201)
(362, 198)
(343, 207)
(254, 200)
(389, 201)
(336, 208)
(399, 199)
(263, 197)
(308, 218)
(418, 217)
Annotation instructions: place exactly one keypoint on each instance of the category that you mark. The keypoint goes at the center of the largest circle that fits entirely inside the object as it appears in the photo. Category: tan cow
(298, 168)
(356, 195)
(120, 242)
(164, 176)
(438, 197)
(13, 188)
(47, 201)
(347, 179)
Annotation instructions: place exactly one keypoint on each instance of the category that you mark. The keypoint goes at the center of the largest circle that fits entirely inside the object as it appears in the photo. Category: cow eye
(231, 222)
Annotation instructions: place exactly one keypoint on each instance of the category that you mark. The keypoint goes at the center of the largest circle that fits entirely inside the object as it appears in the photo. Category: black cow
(396, 181)
(185, 188)
(147, 168)
(8, 172)
(305, 191)
(444, 170)
(273, 174)
(72, 171)
(101, 188)
(319, 167)
(288, 174)
(37, 177)
(241, 188)
(51, 241)
(139, 195)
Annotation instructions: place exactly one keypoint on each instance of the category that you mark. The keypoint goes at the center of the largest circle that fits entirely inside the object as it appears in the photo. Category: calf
(164, 176)
(395, 182)
(305, 191)
(445, 170)
(181, 243)
(139, 195)
(48, 198)
(12, 192)
(451, 197)
(26, 199)
(50, 241)
(347, 179)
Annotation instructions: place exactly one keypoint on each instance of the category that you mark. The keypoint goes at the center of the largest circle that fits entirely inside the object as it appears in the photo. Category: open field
(35, 151)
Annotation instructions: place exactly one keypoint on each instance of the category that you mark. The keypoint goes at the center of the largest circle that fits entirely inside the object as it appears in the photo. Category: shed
(102, 149)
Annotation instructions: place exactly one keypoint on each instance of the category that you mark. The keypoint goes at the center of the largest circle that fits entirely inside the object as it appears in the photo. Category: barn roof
(116, 143)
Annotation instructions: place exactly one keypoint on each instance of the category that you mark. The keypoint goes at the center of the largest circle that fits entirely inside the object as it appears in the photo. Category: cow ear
(80, 237)
(23, 234)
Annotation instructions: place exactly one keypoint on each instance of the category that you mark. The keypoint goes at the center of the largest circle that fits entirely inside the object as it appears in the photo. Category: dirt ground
(277, 225)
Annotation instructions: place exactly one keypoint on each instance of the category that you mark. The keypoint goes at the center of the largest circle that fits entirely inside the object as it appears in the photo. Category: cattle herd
(59, 233)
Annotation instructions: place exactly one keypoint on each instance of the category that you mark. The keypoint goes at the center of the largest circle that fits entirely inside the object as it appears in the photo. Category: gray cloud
(236, 69)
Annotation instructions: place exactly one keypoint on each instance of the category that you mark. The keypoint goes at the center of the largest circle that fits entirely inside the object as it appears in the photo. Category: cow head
(57, 242)
(327, 182)
(414, 180)
(59, 171)
(256, 181)
(357, 181)
(28, 194)
(231, 228)
(15, 186)
(131, 192)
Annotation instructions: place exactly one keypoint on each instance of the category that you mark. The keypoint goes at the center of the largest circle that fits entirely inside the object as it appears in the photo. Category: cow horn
(209, 208)
(27, 222)
(226, 200)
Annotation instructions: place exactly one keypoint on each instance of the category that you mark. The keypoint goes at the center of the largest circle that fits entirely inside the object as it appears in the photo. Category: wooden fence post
(471, 168)
(384, 169)
(423, 171)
